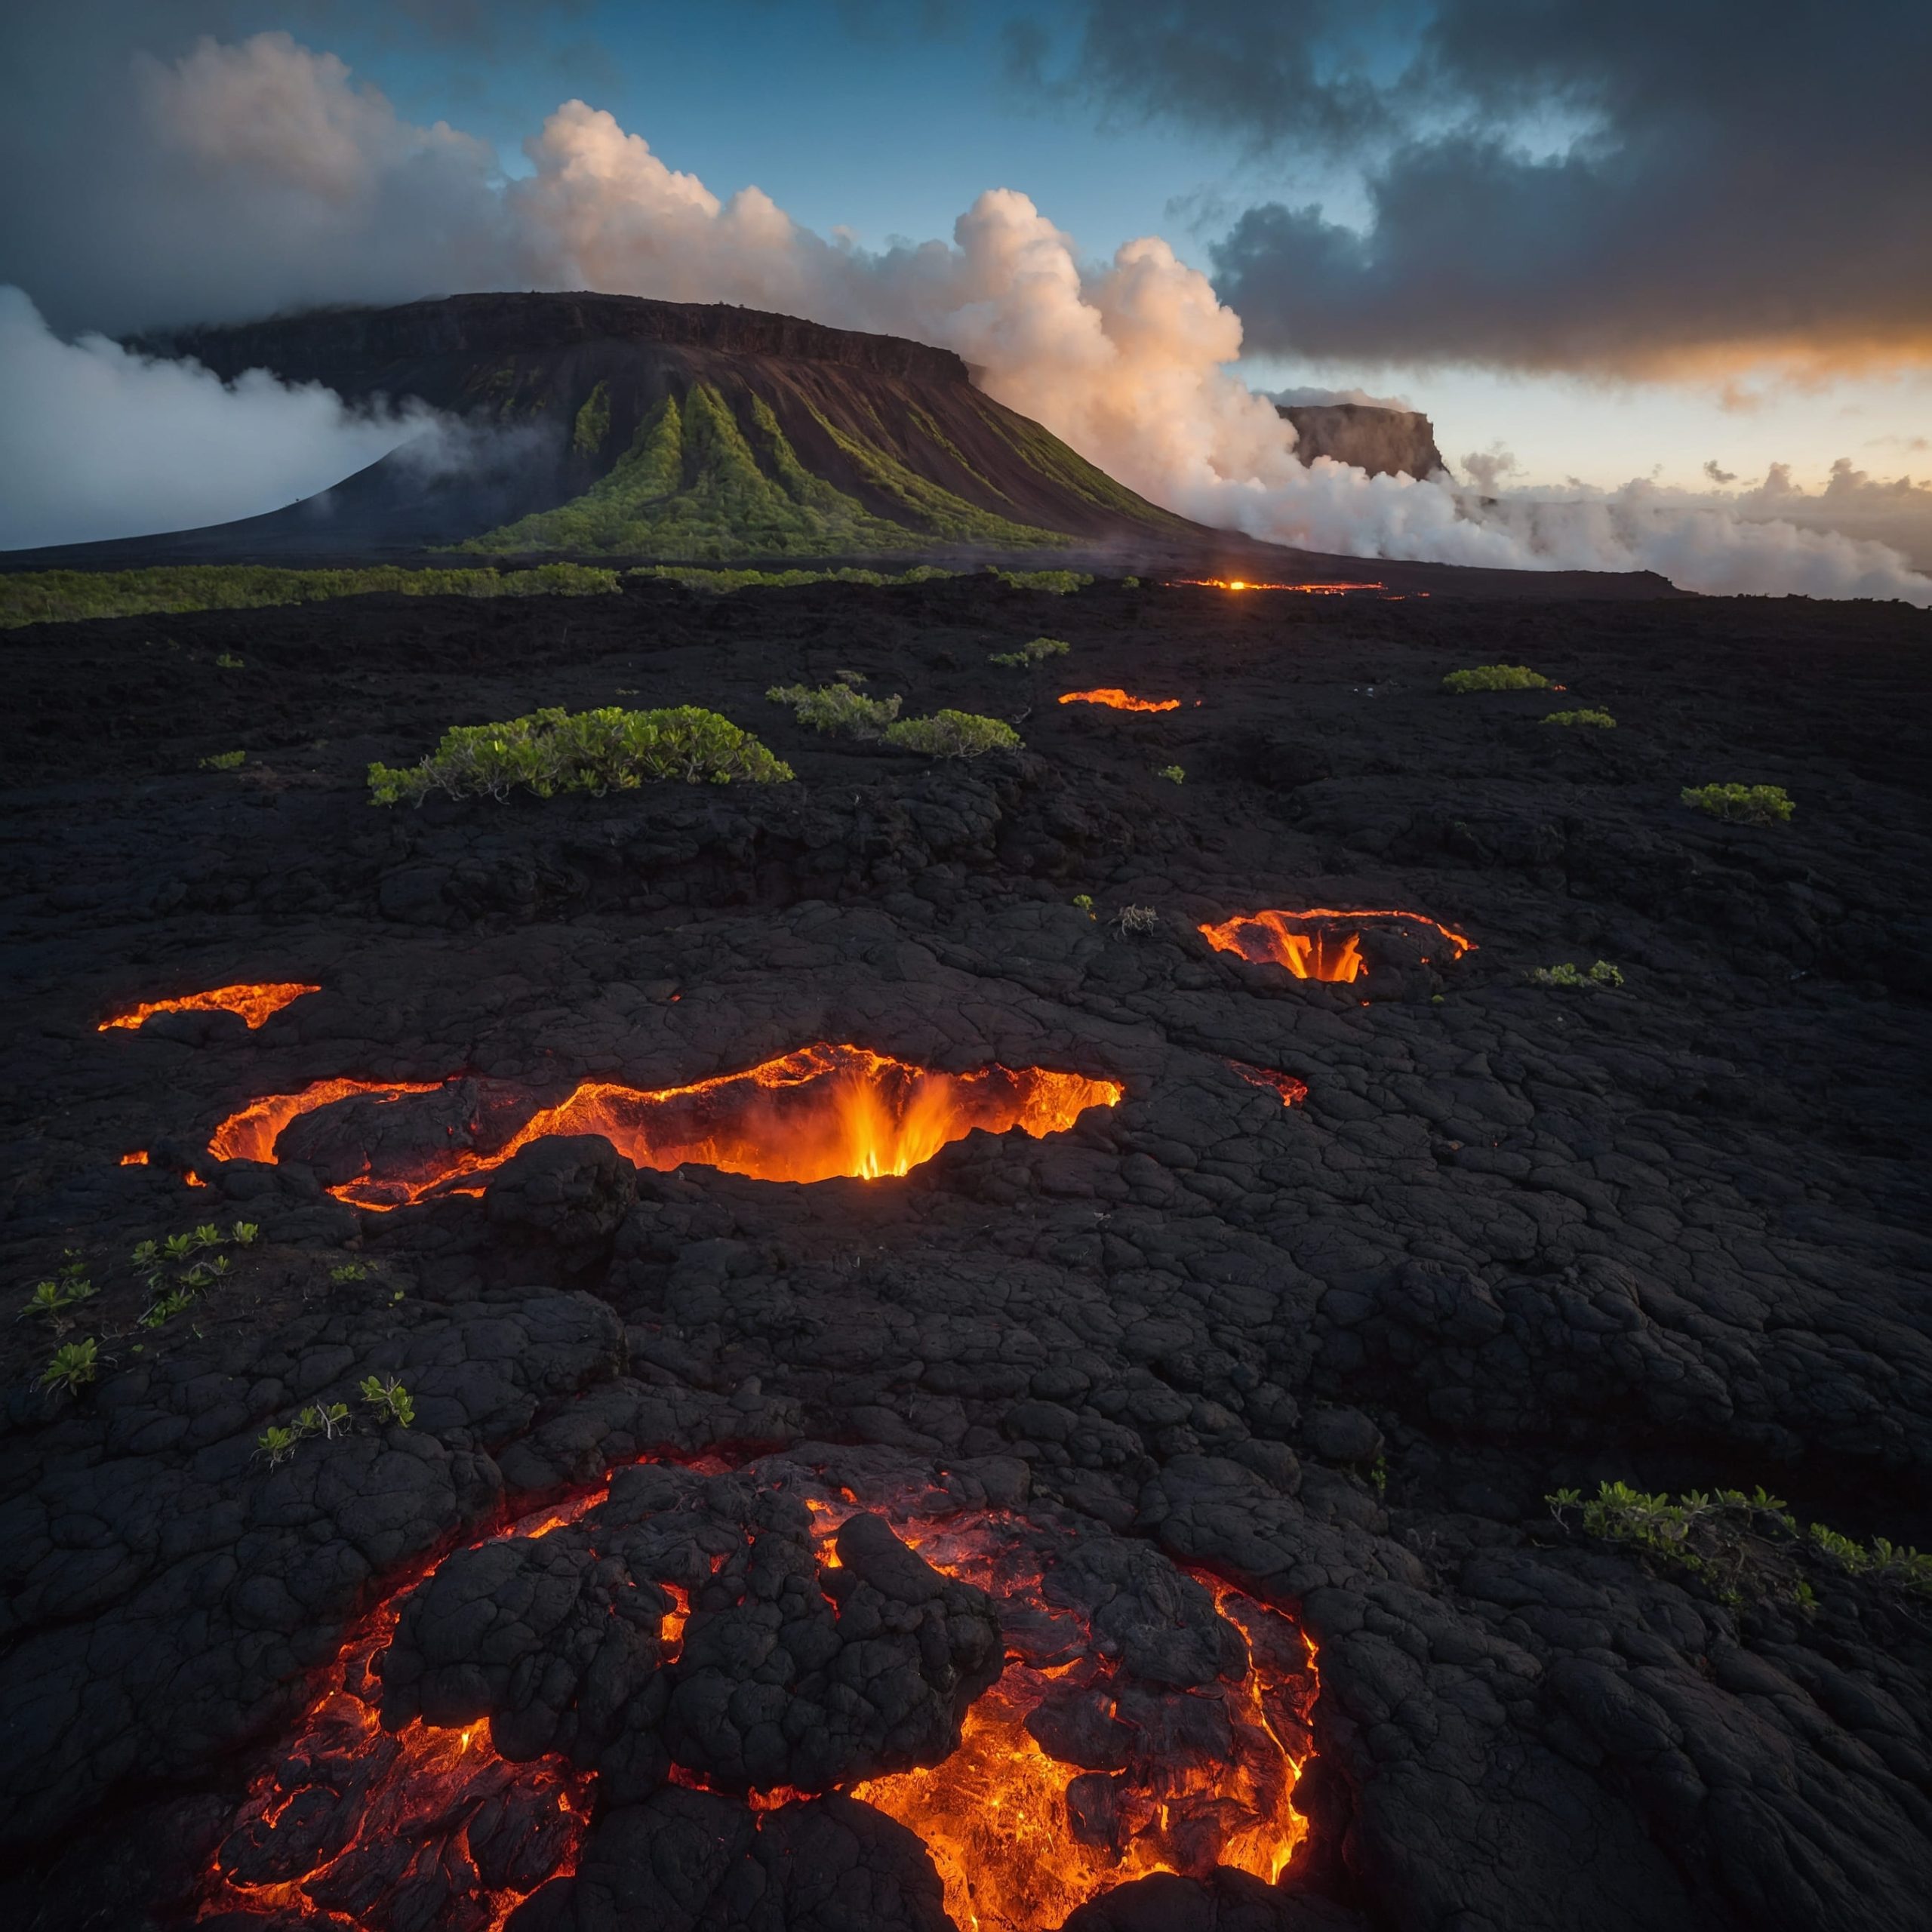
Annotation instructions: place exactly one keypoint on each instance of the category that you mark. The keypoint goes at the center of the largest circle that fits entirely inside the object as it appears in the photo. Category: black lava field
(1120, 1496)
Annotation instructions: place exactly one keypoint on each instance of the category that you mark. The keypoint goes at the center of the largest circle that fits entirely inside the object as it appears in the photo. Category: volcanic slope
(611, 425)
(655, 1584)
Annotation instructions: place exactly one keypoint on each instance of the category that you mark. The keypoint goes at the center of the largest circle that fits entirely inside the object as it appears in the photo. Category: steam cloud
(257, 175)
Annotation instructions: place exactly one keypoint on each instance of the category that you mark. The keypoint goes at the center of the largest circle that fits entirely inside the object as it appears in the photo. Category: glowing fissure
(1114, 699)
(822, 1112)
(347, 1818)
(254, 1003)
(1312, 945)
(1291, 1091)
(1242, 583)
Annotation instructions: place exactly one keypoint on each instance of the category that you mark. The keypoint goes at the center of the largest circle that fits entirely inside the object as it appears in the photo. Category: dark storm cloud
(1557, 184)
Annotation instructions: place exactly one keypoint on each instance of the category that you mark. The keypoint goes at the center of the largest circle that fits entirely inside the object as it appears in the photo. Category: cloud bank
(258, 175)
(1661, 187)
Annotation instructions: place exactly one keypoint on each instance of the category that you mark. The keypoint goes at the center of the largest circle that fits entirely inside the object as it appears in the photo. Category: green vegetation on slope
(593, 422)
(1042, 451)
(691, 485)
(695, 577)
(47, 597)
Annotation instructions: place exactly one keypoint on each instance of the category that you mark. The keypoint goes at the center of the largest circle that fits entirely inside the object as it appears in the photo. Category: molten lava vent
(253, 1003)
(1243, 583)
(1117, 699)
(1068, 1710)
(820, 1112)
(1321, 944)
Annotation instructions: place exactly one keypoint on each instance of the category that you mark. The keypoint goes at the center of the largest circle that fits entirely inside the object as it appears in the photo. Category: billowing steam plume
(257, 176)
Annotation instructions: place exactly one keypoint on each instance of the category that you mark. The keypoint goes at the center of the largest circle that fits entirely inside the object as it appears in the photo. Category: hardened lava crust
(1113, 1486)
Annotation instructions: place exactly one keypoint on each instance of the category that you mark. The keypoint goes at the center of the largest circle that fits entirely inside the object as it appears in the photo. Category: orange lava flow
(822, 1112)
(1292, 1092)
(1114, 699)
(1242, 583)
(138, 1158)
(254, 1003)
(350, 1820)
(1306, 943)
(1021, 1840)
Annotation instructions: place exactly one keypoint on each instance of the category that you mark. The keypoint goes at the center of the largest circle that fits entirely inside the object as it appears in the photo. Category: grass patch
(1059, 583)
(225, 761)
(597, 752)
(953, 734)
(1597, 720)
(52, 597)
(695, 577)
(1037, 652)
(838, 709)
(1173, 773)
(1496, 678)
(1741, 804)
(1574, 979)
(1738, 1546)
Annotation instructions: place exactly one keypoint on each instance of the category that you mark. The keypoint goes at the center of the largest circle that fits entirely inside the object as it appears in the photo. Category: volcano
(611, 425)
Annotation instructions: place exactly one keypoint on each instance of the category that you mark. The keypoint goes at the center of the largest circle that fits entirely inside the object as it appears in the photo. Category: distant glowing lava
(822, 1112)
(1117, 699)
(1291, 1091)
(253, 1003)
(1322, 943)
(1243, 583)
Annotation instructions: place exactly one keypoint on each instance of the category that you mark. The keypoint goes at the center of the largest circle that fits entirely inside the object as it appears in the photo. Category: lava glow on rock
(1117, 699)
(431, 1827)
(822, 1112)
(1243, 583)
(1322, 943)
(253, 1003)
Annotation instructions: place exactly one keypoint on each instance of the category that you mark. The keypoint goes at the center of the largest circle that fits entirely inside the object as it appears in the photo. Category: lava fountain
(1322, 943)
(820, 1112)
(1114, 699)
(254, 1002)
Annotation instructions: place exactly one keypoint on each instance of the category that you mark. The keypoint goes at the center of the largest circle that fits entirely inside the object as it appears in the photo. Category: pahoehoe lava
(1131, 1515)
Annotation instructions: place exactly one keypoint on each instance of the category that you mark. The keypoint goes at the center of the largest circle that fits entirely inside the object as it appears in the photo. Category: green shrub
(1741, 804)
(51, 1300)
(1603, 973)
(1037, 652)
(610, 750)
(74, 1365)
(1060, 583)
(46, 597)
(952, 734)
(225, 761)
(278, 1445)
(1601, 721)
(389, 1399)
(1496, 678)
(228, 661)
(1173, 773)
(837, 708)
(1084, 902)
(724, 583)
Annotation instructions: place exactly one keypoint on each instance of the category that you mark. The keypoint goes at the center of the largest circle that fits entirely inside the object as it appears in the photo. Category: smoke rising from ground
(249, 176)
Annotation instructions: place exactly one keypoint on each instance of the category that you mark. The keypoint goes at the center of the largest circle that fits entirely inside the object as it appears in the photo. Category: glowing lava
(253, 1003)
(1312, 945)
(1117, 699)
(1020, 1838)
(1242, 583)
(375, 1828)
(821, 1112)
(1292, 1091)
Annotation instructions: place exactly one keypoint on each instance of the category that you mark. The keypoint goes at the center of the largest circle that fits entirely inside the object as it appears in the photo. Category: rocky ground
(1333, 1357)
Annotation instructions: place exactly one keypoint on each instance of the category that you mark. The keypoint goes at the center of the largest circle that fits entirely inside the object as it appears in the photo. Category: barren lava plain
(1138, 1517)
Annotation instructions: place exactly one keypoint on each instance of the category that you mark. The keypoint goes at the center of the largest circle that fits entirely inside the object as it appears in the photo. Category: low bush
(608, 750)
(1037, 652)
(838, 709)
(225, 761)
(1173, 773)
(1603, 973)
(44, 597)
(1599, 721)
(725, 582)
(1061, 583)
(389, 1399)
(1741, 804)
(1496, 678)
(953, 734)
(73, 1366)
(1739, 1546)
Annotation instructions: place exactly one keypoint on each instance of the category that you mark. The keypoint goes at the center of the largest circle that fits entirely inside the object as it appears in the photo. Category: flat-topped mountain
(611, 425)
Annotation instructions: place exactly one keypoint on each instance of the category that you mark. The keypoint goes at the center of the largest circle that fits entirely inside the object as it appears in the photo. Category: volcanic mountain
(611, 425)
